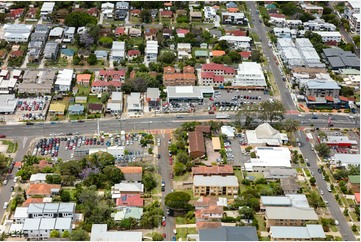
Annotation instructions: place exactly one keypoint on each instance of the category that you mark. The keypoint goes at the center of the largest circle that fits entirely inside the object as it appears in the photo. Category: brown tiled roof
(131, 170)
(196, 142)
(311, 98)
(41, 189)
(168, 70)
(208, 225)
(188, 69)
(95, 106)
(212, 170)
(203, 128)
(329, 98)
(218, 52)
(214, 209)
(206, 201)
(43, 164)
(32, 200)
(342, 98)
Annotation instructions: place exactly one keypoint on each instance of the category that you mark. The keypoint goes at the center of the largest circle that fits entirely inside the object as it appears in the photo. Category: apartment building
(215, 185)
(238, 42)
(330, 36)
(250, 74)
(171, 78)
(289, 216)
(215, 74)
(151, 51)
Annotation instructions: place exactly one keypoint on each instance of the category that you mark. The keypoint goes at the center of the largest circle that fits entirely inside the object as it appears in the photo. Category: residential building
(338, 59)
(107, 10)
(355, 22)
(222, 170)
(153, 97)
(122, 5)
(294, 23)
(108, 79)
(38, 178)
(329, 36)
(215, 74)
(15, 13)
(289, 216)
(238, 42)
(294, 233)
(69, 34)
(127, 212)
(292, 57)
(279, 20)
(83, 79)
(229, 233)
(151, 51)
(189, 93)
(99, 233)
(40, 228)
(182, 32)
(67, 54)
(46, 10)
(76, 109)
(150, 34)
(130, 200)
(205, 202)
(210, 14)
(95, 108)
(351, 7)
(250, 74)
(265, 135)
(56, 33)
(283, 32)
(322, 88)
(234, 18)
(196, 144)
(17, 32)
(308, 53)
(211, 213)
(134, 32)
(279, 173)
(134, 103)
(312, 9)
(37, 82)
(63, 80)
(115, 104)
(117, 52)
(132, 173)
(184, 50)
(166, 14)
(133, 54)
(101, 54)
(187, 78)
(127, 188)
(195, 16)
(354, 183)
(269, 157)
(318, 25)
(46, 190)
(51, 51)
(215, 185)
(289, 185)
(289, 200)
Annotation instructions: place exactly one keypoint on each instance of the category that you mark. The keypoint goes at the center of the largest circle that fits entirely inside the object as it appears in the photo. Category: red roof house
(15, 13)
(119, 31)
(130, 200)
(245, 54)
(166, 14)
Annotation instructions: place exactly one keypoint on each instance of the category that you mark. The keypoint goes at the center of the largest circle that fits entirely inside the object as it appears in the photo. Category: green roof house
(354, 183)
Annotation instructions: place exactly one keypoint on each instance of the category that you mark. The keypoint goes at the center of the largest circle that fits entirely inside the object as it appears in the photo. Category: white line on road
(24, 141)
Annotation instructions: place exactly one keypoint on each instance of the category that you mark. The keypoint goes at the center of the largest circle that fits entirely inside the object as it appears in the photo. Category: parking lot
(74, 147)
(30, 109)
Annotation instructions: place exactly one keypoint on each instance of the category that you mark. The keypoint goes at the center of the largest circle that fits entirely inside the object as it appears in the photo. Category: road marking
(24, 141)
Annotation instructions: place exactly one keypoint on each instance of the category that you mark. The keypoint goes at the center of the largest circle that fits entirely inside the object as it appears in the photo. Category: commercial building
(8, 103)
(189, 93)
(153, 97)
(99, 233)
(250, 74)
(56, 109)
(344, 160)
(289, 216)
(264, 135)
(134, 103)
(322, 88)
(295, 233)
(269, 157)
(215, 185)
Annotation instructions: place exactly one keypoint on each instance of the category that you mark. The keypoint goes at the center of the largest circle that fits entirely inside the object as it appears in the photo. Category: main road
(260, 30)
(333, 207)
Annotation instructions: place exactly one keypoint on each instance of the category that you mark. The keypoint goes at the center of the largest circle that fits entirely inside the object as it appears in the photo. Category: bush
(150, 150)
(228, 220)
(253, 155)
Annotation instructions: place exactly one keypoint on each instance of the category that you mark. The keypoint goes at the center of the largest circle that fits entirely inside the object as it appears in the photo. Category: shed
(81, 99)
(216, 143)
(56, 109)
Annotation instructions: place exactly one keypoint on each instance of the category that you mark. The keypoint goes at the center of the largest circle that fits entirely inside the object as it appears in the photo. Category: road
(322, 185)
(164, 170)
(260, 30)
(5, 190)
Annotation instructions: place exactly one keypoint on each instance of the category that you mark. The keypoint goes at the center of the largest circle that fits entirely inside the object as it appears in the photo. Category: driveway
(217, 22)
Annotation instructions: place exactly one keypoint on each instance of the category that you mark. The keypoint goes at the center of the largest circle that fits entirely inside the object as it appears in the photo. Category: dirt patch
(212, 155)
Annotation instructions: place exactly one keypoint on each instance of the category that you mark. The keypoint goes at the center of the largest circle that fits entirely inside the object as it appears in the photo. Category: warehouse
(8, 103)
(189, 93)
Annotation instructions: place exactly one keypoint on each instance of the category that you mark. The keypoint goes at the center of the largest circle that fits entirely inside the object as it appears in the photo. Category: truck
(222, 116)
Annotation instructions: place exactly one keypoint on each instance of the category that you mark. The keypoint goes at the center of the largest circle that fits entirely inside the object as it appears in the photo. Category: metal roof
(228, 233)
(215, 181)
(291, 213)
(310, 231)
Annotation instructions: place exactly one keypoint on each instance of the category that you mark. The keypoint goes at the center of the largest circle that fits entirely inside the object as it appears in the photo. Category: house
(150, 33)
(153, 97)
(289, 185)
(189, 93)
(312, 9)
(120, 14)
(127, 188)
(115, 105)
(223, 170)
(238, 42)
(132, 173)
(279, 173)
(93, 12)
(38, 178)
(133, 54)
(181, 33)
(245, 55)
(318, 25)
(269, 157)
(119, 31)
(69, 34)
(63, 80)
(215, 33)
(122, 5)
(134, 32)
(15, 13)
(67, 53)
(56, 109)
(51, 51)
(130, 200)
(101, 54)
(265, 135)
(135, 12)
(205, 202)
(134, 103)
(95, 108)
(196, 16)
(234, 18)
(31, 15)
(201, 54)
(81, 99)
(216, 53)
(211, 213)
(289, 216)
(215, 185)
(354, 183)
(184, 50)
(56, 33)
(338, 59)
(46, 190)
(40, 228)
(76, 109)
(107, 6)
(229, 233)
(167, 33)
(208, 225)
(166, 14)
(151, 51)
(117, 52)
(46, 10)
(99, 233)
(83, 79)
(181, 12)
(210, 14)
(17, 32)
(127, 212)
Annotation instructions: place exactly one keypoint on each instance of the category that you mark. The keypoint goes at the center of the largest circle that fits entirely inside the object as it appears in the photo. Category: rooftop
(295, 213)
(215, 181)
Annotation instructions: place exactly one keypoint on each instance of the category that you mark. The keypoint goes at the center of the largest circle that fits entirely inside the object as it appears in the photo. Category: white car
(16, 179)
(321, 192)
(5, 205)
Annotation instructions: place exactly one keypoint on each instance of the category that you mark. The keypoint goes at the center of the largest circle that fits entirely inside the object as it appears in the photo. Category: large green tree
(79, 19)
(323, 149)
(272, 110)
(178, 200)
(291, 125)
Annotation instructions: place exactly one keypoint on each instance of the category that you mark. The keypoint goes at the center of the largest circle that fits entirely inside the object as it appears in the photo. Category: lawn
(135, 20)
(72, 194)
(94, 99)
(83, 90)
(333, 228)
(12, 147)
(136, 41)
(32, 65)
(182, 232)
(256, 175)
(76, 117)
(307, 171)
(182, 178)
(353, 215)
(180, 220)
(260, 220)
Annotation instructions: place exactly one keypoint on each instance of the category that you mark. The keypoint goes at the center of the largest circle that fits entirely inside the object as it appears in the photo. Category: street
(322, 185)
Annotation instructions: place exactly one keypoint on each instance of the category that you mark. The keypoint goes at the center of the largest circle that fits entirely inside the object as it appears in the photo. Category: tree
(289, 8)
(222, 45)
(54, 234)
(128, 223)
(323, 149)
(145, 16)
(235, 56)
(157, 236)
(291, 125)
(64, 196)
(179, 168)
(182, 19)
(53, 179)
(92, 59)
(178, 200)
(182, 157)
(65, 234)
(76, 60)
(313, 181)
(272, 110)
(105, 41)
(149, 182)
(255, 56)
(113, 174)
(314, 199)
(79, 235)
(167, 57)
(79, 19)
(246, 212)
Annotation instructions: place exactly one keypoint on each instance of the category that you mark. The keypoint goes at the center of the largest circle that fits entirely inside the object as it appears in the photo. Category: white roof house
(17, 32)
(269, 157)
(215, 181)
(290, 200)
(228, 130)
(263, 135)
(125, 187)
(241, 42)
(249, 74)
(56, 32)
(209, 13)
(118, 51)
(107, 6)
(47, 8)
(308, 232)
(99, 233)
(151, 50)
(38, 178)
(330, 35)
(64, 79)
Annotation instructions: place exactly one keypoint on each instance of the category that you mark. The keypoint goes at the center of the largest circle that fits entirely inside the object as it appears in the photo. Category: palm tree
(291, 125)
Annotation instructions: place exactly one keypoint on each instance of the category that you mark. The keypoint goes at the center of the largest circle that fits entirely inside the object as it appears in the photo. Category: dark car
(308, 164)
(2, 136)
(29, 123)
(158, 156)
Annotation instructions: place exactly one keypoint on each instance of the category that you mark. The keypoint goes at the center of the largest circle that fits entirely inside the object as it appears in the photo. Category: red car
(164, 235)
(211, 98)
(164, 224)
(170, 162)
